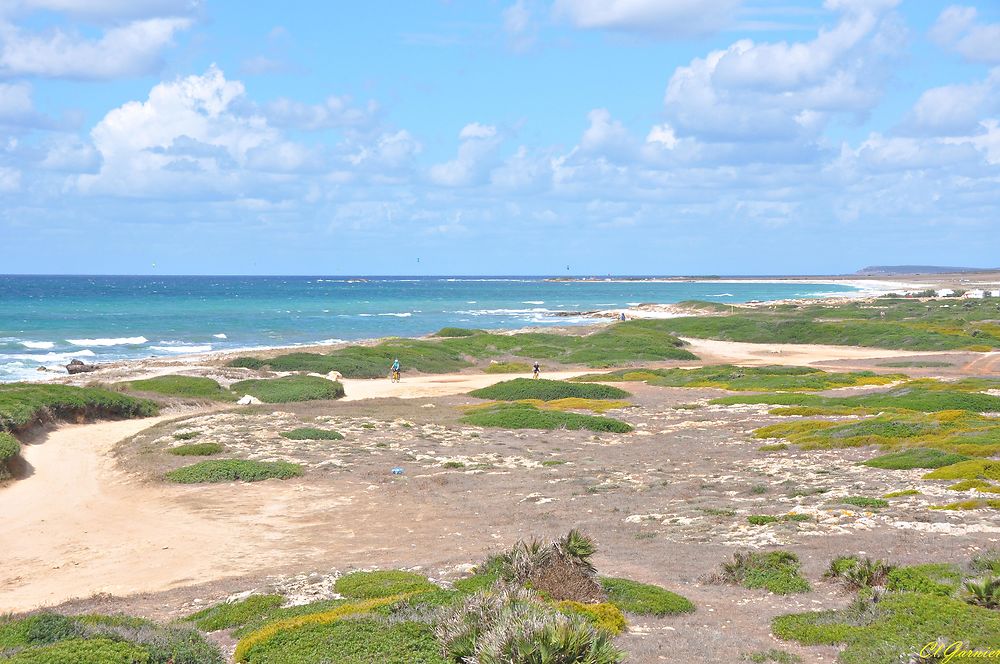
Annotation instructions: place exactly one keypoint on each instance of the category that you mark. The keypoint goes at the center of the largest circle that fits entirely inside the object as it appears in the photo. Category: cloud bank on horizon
(529, 137)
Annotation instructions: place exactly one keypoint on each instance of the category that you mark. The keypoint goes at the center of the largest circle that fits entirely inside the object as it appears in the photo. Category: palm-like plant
(985, 592)
(577, 547)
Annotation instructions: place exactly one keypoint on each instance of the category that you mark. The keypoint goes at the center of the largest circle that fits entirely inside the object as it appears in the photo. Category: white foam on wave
(220, 336)
(179, 348)
(505, 312)
(48, 357)
(721, 295)
(533, 302)
(116, 341)
(38, 345)
(402, 315)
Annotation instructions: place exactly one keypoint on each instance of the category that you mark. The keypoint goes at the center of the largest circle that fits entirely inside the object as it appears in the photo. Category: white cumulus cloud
(956, 28)
(669, 18)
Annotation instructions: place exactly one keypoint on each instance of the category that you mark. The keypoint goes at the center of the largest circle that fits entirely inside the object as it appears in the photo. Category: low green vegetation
(774, 571)
(191, 387)
(51, 638)
(234, 614)
(730, 377)
(954, 432)
(901, 323)
(546, 390)
(290, 388)
(507, 368)
(232, 470)
(867, 503)
(979, 485)
(902, 494)
(9, 449)
(452, 332)
(515, 415)
(969, 505)
(644, 599)
(25, 404)
(310, 433)
(196, 449)
(372, 585)
(917, 457)
(765, 519)
(633, 341)
(915, 364)
(902, 611)
(979, 469)
(916, 396)
(772, 656)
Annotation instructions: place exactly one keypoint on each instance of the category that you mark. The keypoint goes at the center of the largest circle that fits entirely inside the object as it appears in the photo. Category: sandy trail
(433, 385)
(711, 351)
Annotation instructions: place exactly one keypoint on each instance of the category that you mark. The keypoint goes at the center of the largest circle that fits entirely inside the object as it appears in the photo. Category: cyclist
(535, 368)
(395, 370)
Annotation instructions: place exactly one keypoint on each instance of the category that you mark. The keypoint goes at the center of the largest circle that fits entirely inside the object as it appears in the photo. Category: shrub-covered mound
(309, 433)
(456, 332)
(290, 388)
(895, 323)
(51, 638)
(956, 432)
(634, 341)
(775, 571)
(231, 470)
(196, 449)
(921, 398)
(546, 390)
(524, 416)
(507, 367)
(193, 387)
(24, 404)
(917, 457)
(730, 377)
(372, 585)
(978, 469)
(9, 449)
(644, 599)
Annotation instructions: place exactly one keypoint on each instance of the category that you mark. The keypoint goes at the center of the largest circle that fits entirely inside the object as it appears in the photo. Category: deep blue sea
(48, 320)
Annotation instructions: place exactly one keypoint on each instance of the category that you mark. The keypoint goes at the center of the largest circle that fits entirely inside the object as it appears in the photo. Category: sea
(50, 320)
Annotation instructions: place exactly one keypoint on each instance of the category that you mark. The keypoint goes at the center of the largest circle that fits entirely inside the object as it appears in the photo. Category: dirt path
(987, 365)
(711, 351)
(433, 385)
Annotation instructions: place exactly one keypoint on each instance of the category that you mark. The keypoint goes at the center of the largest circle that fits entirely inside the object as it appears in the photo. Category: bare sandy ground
(79, 525)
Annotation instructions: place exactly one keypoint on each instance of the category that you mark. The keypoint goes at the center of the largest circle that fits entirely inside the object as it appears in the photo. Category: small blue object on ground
(397, 471)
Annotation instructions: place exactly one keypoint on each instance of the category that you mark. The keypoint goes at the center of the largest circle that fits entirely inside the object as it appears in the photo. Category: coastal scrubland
(893, 323)
(453, 349)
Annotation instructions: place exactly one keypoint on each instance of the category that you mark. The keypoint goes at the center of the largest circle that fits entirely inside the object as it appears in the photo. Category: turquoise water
(48, 320)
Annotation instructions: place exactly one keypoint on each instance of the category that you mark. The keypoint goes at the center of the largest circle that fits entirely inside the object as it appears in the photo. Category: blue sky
(498, 137)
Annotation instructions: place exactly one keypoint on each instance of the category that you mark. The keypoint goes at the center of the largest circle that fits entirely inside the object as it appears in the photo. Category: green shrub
(181, 386)
(772, 655)
(546, 390)
(524, 416)
(9, 449)
(862, 501)
(236, 614)
(456, 332)
(247, 362)
(900, 623)
(187, 435)
(900, 494)
(23, 404)
(80, 651)
(967, 470)
(507, 367)
(290, 388)
(510, 624)
(916, 397)
(761, 519)
(353, 641)
(775, 571)
(917, 457)
(730, 377)
(932, 578)
(371, 585)
(196, 449)
(308, 433)
(986, 562)
(983, 592)
(231, 470)
(644, 599)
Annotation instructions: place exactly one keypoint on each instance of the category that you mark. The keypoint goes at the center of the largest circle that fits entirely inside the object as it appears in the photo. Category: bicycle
(395, 376)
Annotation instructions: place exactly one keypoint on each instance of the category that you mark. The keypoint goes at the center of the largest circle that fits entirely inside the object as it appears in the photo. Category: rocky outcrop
(76, 367)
